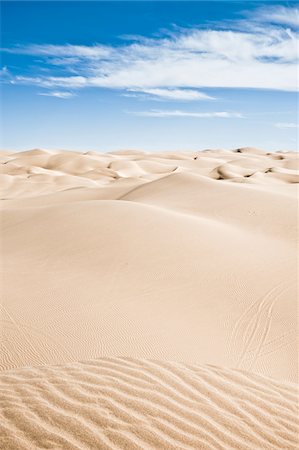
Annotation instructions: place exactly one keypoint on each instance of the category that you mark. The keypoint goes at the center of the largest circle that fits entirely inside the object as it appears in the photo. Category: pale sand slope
(172, 256)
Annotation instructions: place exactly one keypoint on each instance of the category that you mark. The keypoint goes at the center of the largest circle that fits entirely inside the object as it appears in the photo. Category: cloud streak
(67, 51)
(173, 94)
(57, 94)
(286, 125)
(180, 113)
(279, 15)
(175, 65)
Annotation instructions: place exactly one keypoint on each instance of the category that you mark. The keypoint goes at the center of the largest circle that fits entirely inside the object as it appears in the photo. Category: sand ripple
(115, 403)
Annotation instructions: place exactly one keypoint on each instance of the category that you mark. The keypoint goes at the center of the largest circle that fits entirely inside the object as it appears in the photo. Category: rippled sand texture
(139, 404)
(153, 256)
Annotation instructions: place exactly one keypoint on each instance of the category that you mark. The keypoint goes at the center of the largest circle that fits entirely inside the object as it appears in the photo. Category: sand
(149, 300)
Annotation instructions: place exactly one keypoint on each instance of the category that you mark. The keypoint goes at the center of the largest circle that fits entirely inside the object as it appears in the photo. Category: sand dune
(90, 264)
(153, 256)
(139, 404)
(237, 166)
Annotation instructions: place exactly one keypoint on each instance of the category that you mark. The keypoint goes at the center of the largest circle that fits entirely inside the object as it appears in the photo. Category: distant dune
(173, 276)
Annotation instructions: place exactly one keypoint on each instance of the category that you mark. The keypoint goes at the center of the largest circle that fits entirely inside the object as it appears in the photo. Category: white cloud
(48, 82)
(173, 94)
(175, 65)
(179, 113)
(3, 70)
(5, 74)
(284, 125)
(277, 14)
(68, 50)
(58, 94)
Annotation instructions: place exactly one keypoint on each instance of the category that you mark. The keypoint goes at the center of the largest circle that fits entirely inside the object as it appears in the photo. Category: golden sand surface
(149, 300)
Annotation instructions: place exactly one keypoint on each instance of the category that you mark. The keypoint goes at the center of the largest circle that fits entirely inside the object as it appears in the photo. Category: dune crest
(60, 170)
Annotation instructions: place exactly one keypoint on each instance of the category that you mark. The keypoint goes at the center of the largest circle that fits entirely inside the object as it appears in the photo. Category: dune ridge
(38, 172)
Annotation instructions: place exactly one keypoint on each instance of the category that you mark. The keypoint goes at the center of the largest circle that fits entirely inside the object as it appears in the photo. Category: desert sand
(149, 300)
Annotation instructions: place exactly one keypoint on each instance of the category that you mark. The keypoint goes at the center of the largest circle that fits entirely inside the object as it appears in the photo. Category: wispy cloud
(5, 75)
(58, 94)
(179, 113)
(68, 50)
(173, 94)
(285, 125)
(278, 14)
(174, 65)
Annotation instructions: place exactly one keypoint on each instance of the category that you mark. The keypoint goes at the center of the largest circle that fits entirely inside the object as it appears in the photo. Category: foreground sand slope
(91, 279)
(145, 404)
(155, 258)
(186, 257)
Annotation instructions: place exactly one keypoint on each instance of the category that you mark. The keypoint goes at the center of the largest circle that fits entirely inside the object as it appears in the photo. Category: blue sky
(149, 75)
